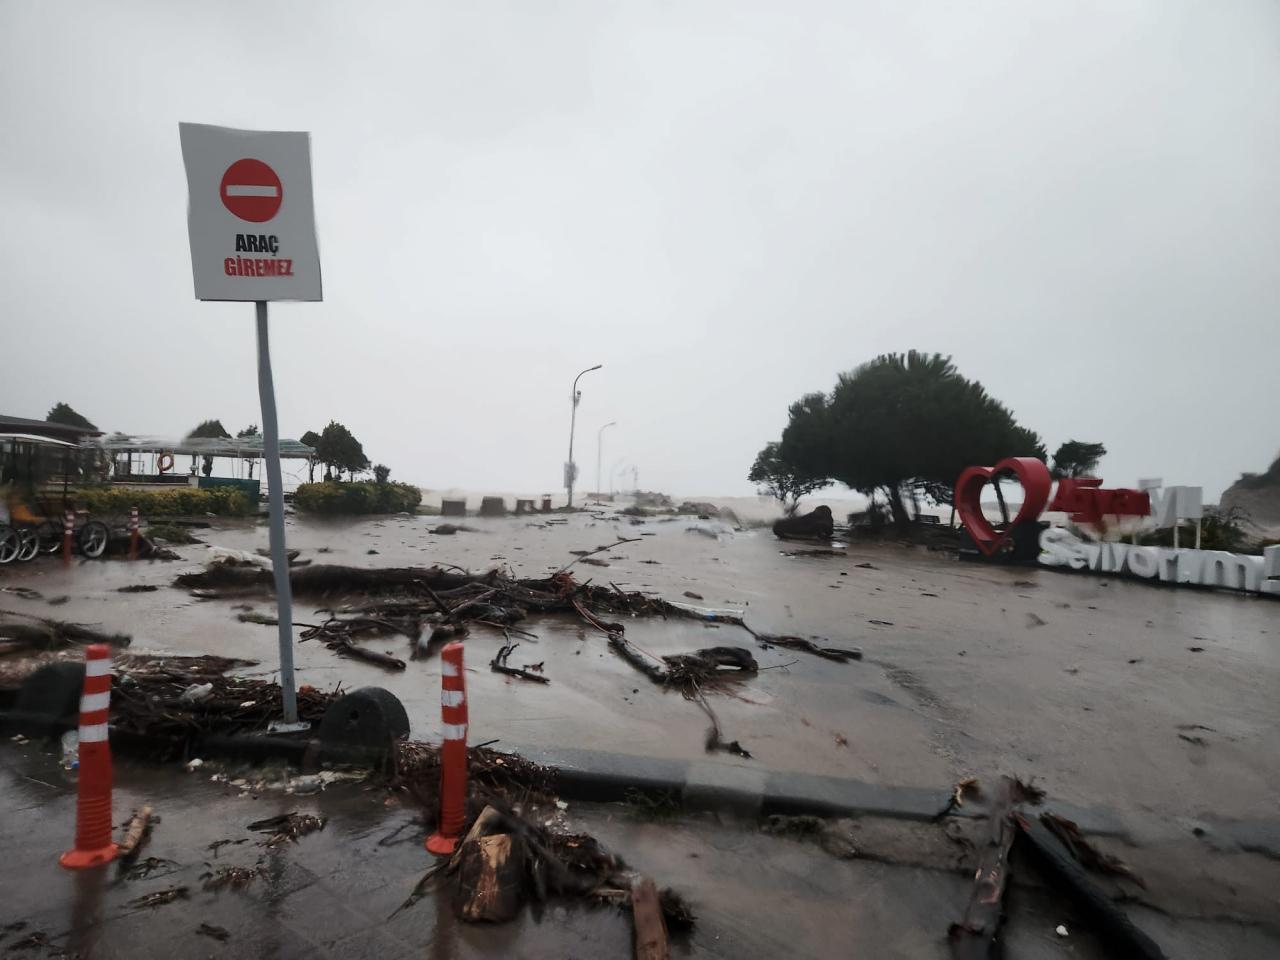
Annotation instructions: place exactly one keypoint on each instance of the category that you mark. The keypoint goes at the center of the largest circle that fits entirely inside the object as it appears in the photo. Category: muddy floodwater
(1157, 704)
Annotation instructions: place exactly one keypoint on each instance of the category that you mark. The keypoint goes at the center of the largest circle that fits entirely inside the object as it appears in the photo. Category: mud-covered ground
(1084, 683)
(1155, 705)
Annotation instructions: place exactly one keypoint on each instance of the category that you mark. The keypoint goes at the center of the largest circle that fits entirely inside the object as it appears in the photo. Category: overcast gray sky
(725, 203)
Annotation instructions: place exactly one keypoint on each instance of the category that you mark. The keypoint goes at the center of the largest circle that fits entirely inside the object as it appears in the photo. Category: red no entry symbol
(251, 190)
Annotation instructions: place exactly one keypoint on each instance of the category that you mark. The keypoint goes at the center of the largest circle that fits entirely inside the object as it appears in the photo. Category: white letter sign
(250, 215)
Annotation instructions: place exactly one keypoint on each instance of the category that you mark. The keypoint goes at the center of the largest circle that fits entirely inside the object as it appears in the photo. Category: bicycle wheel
(93, 539)
(30, 544)
(50, 538)
(10, 544)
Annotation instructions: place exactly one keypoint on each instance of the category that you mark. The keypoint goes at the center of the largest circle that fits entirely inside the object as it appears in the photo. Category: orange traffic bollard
(453, 753)
(133, 533)
(68, 533)
(93, 803)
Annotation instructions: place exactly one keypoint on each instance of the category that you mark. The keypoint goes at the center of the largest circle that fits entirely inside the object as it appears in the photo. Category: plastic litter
(196, 692)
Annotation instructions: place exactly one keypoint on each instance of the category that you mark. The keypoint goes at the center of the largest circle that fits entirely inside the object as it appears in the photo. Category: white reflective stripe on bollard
(452, 698)
(90, 702)
(97, 733)
(455, 731)
(448, 669)
(97, 668)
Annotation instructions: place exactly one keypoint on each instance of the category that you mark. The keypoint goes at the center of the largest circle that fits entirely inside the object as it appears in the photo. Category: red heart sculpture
(1035, 480)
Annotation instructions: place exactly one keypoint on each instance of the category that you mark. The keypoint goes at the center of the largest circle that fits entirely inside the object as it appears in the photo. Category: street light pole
(573, 422)
(600, 451)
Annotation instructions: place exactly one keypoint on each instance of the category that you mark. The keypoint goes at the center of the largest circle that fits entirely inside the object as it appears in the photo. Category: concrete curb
(746, 790)
(704, 784)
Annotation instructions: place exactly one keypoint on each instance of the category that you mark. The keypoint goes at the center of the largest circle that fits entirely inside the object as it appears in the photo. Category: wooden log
(490, 876)
(651, 928)
(1111, 924)
(137, 829)
(348, 649)
(489, 822)
(973, 938)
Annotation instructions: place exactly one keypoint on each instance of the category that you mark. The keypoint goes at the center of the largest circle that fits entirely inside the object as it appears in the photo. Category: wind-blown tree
(64, 413)
(312, 440)
(208, 430)
(781, 479)
(1076, 459)
(249, 431)
(339, 450)
(901, 424)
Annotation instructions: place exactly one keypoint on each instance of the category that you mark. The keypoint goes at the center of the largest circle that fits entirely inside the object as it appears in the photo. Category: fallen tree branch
(592, 553)
(1113, 926)
(973, 938)
(499, 665)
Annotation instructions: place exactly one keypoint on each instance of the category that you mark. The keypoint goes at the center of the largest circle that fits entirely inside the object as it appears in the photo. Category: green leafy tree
(1076, 459)
(339, 450)
(903, 424)
(312, 440)
(781, 479)
(65, 414)
(381, 473)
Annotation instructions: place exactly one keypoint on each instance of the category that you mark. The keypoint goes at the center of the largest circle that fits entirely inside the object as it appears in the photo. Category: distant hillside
(1257, 494)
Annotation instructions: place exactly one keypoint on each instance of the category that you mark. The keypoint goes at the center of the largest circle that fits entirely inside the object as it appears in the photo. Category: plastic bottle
(71, 750)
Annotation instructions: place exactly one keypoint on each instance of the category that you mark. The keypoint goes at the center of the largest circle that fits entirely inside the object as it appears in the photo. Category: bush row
(175, 502)
(335, 498)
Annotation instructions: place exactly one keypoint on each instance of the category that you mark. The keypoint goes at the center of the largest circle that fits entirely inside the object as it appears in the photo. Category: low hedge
(335, 498)
(173, 502)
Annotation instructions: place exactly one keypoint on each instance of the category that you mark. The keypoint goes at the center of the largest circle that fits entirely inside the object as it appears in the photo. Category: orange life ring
(165, 463)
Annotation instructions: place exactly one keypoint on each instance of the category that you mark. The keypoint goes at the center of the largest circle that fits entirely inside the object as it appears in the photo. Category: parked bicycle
(28, 531)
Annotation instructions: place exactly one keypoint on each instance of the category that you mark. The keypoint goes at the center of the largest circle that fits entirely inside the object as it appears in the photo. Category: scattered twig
(499, 665)
(591, 553)
(217, 933)
(160, 898)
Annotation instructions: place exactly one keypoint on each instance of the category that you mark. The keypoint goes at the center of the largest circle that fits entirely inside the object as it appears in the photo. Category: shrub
(171, 533)
(175, 502)
(335, 498)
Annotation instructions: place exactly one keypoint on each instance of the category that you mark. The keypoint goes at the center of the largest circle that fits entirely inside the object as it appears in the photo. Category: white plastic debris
(194, 765)
(304, 785)
(196, 692)
(70, 750)
(1061, 930)
(561, 805)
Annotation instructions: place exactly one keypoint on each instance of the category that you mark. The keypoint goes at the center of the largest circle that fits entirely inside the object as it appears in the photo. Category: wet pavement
(1090, 685)
(335, 892)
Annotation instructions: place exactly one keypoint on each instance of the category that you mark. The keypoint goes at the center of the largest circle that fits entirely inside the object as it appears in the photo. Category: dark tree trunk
(901, 518)
(1004, 510)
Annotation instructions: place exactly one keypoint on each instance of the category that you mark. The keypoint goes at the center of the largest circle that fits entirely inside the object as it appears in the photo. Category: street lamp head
(596, 367)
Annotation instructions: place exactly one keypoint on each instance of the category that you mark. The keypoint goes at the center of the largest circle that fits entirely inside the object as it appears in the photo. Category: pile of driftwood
(504, 860)
(23, 633)
(1061, 851)
(431, 605)
(409, 600)
(176, 698)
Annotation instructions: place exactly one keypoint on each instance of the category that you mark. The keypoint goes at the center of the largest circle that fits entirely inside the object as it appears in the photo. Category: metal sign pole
(275, 504)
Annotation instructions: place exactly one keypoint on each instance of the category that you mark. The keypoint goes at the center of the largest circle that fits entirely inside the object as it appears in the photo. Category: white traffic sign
(250, 216)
